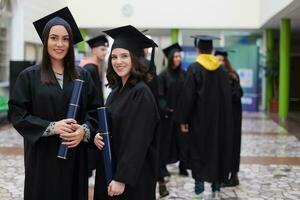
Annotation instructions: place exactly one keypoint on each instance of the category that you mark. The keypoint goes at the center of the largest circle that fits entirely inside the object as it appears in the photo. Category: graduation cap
(204, 42)
(61, 17)
(128, 37)
(223, 52)
(98, 41)
(170, 48)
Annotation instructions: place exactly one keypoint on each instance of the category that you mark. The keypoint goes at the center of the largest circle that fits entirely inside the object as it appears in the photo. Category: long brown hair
(232, 73)
(138, 72)
(47, 74)
(171, 60)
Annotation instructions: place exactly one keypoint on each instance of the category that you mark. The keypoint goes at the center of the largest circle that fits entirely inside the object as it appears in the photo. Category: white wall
(212, 14)
(35, 9)
(270, 8)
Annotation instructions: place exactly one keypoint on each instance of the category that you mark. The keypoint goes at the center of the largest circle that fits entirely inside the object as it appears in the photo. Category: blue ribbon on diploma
(105, 130)
(72, 112)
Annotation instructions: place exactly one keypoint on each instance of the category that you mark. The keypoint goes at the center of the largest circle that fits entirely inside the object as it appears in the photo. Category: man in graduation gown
(93, 64)
(205, 111)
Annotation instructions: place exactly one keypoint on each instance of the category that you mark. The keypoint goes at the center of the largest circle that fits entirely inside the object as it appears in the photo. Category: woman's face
(176, 59)
(121, 62)
(58, 42)
(221, 59)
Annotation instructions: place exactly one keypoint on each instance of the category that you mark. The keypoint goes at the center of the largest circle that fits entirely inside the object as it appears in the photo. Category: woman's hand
(74, 138)
(64, 126)
(115, 188)
(98, 140)
(184, 128)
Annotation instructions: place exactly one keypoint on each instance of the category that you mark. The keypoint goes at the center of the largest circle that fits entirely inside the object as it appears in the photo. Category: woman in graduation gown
(38, 107)
(134, 119)
(237, 93)
(170, 85)
(173, 144)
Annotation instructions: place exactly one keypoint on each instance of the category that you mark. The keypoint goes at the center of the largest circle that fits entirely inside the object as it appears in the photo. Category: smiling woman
(134, 117)
(37, 110)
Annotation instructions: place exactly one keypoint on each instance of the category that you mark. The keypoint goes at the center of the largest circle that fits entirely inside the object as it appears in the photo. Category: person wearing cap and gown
(153, 83)
(173, 144)
(237, 93)
(93, 64)
(37, 109)
(134, 118)
(205, 111)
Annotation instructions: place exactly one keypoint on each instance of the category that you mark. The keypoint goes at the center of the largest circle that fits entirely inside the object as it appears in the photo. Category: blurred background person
(237, 93)
(205, 110)
(93, 64)
(173, 144)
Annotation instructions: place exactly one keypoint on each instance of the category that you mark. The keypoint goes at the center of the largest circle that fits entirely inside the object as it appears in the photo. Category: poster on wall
(189, 56)
(246, 77)
(245, 62)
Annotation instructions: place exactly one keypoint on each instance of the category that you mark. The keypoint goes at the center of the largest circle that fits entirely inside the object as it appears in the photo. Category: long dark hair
(171, 60)
(232, 73)
(47, 74)
(138, 72)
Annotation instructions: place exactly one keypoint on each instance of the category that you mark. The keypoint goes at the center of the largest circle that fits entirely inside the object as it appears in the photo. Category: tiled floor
(270, 166)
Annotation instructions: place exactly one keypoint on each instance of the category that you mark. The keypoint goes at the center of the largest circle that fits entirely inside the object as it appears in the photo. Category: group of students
(149, 115)
(204, 111)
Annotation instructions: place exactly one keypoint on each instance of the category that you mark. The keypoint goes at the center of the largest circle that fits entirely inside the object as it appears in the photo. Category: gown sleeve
(92, 69)
(162, 102)
(93, 102)
(137, 137)
(29, 126)
(187, 98)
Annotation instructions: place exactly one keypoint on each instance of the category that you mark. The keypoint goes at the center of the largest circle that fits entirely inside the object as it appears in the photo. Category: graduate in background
(173, 144)
(237, 93)
(151, 69)
(38, 106)
(93, 64)
(205, 111)
(134, 119)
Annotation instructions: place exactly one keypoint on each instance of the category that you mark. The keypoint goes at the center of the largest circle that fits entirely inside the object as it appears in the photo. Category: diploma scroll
(72, 112)
(105, 130)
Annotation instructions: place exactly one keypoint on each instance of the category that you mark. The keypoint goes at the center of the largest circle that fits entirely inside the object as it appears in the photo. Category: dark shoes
(165, 171)
(90, 173)
(163, 192)
(182, 170)
(233, 181)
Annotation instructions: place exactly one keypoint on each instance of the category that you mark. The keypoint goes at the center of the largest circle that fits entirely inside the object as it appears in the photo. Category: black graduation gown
(134, 118)
(153, 83)
(32, 107)
(94, 158)
(205, 104)
(237, 93)
(170, 85)
(92, 69)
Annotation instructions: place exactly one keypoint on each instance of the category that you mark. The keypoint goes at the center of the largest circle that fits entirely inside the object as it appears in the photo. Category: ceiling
(292, 12)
